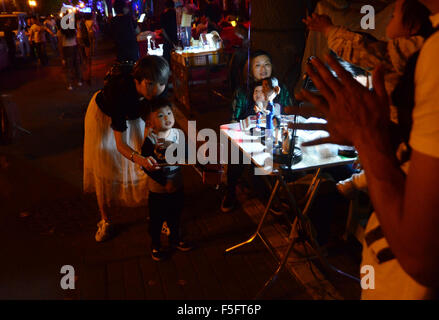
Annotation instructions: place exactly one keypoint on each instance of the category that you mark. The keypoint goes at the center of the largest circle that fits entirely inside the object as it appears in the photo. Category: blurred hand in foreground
(318, 22)
(354, 114)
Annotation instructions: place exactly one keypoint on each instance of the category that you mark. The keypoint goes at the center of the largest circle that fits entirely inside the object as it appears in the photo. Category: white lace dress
(115, 179)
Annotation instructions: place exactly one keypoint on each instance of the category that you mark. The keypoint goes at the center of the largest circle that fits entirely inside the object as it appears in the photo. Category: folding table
(254, 150)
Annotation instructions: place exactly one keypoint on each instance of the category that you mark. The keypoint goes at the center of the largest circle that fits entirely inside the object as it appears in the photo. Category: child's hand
(259, 107)
(150, 164)
(318, 22)
(274, 93)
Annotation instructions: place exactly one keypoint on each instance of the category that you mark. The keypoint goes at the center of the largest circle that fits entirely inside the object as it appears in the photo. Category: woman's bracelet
(132, 155)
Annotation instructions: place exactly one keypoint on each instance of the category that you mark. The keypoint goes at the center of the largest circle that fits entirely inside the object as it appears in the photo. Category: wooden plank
(241, 269)
(263, 265)
(208, 275)
(115, 281)
(133, 280)
(92, 282)
(187, 277)
(209, 269)
(218, 280)
(168, 274)
(220, 224)
(276, 236)
(151, 279)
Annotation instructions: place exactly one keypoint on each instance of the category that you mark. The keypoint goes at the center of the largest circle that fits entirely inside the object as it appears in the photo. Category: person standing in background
(50, 24)
(123, 30)
(10, 41)
(31, 44)
(38, 37)
(84, 46)
(168, 22)
(70, 55)
(213, 14)
(82, 37)
(92, 29)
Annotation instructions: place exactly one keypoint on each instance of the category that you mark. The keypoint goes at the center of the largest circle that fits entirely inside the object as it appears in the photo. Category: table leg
(310, 194)
(267, 207)
(312, 190)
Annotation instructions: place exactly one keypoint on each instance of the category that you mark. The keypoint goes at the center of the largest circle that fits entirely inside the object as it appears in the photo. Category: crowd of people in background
(45, 34)
(46, 38)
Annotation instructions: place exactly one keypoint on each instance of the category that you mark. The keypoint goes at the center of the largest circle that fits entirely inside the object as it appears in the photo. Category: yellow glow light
(233, 23)
(32, 3)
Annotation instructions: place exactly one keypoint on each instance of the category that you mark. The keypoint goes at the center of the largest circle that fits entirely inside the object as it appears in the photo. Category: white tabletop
(313, 157)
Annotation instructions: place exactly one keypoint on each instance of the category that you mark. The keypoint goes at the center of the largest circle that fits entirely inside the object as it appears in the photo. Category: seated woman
(260, 67)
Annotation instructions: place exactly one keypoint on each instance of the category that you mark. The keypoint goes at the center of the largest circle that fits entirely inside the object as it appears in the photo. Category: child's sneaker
(103, 232)
(183, 246)
(165, 229)
(158, 255)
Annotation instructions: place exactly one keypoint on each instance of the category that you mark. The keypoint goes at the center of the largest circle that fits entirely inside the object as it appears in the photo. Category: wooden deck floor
(123, 269)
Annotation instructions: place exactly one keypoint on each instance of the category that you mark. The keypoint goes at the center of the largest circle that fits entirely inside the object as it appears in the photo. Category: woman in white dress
(114, 133)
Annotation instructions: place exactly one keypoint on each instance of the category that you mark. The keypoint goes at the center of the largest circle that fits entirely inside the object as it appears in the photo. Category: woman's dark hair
(169, 4)
(258, 53)
(256, 84)
(153, 68)
(154, 105)
(247, 67)
(272, 83)
(415, 14)
(159, 103)
(119, 5)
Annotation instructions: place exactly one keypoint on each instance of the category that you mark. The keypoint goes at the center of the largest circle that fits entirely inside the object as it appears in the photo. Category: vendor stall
(194, 65)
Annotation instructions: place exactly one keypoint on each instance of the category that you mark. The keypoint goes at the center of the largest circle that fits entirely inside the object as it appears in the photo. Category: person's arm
(136, 27)
(357, 49)
(49, 31)
(95, 27)
(284, 99)
(154, 172)
(407, 207)
(352, 47)
(239, 104)
(31, 33)
(148, 163)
